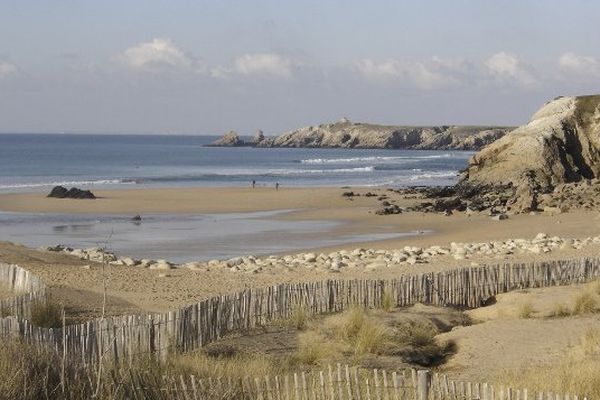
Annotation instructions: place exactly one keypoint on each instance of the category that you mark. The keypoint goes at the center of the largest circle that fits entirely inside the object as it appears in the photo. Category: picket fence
(28, 289)
(335, 383)
(123, 337)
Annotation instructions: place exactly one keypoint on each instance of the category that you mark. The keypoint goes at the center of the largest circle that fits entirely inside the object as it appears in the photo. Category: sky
(206, 67)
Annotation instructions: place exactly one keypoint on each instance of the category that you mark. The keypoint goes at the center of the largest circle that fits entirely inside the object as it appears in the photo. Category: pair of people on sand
(254, 185)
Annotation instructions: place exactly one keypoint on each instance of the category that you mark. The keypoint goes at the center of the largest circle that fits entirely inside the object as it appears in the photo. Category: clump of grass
(589, 344)
(371, 339)
(348, 325)
(220, 350)
(416, 343)
(560, 310)
(585, 303)
(576, 374)
(313, 349)
(415, 334)
(237, 366)
(595, 287)
(387, 301)
(298, 319)
(46, 315)
(526, 310)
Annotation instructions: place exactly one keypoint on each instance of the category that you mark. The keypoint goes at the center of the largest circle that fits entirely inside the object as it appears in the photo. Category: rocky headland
(347, 134)
(552, 163)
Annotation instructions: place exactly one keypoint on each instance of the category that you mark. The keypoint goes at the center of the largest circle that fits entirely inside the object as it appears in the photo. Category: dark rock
(137, 218)
(393, 209)
(61, 192)
(349, 194)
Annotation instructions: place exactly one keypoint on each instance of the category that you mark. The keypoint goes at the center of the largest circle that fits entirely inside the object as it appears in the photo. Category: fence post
(423, 384)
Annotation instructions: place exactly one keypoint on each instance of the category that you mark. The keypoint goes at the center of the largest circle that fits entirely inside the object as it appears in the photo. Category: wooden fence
(27, 287)
(123, 337)
(334, 383)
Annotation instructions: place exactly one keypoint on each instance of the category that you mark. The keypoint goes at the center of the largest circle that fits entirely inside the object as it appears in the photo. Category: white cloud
(507, 67)
(256, 64)
(7, 69)
(158, 54)
(581, 65)
(433, 74)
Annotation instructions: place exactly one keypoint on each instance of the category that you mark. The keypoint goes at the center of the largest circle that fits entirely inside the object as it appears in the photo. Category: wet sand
(354, 216)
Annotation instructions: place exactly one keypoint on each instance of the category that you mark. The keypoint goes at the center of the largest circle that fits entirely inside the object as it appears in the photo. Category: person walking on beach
(253, 184)
(276, 186)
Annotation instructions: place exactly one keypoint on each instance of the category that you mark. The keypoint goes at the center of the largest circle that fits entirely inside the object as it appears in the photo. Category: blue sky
(206, 67)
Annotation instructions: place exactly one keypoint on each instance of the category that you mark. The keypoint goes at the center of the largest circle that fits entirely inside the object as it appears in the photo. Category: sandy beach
(136, 289)
(355, 214)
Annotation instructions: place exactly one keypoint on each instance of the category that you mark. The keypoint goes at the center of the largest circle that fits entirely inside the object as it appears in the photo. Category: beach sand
(315, 203)
(132, 289)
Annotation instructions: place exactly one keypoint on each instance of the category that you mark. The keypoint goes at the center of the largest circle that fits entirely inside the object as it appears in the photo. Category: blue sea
(34, 162)
(39, 162)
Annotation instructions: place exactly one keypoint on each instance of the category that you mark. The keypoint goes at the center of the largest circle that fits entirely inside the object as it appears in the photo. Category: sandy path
(505, 342)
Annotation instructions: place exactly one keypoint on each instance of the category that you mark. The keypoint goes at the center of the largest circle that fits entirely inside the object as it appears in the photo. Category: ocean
(31, 162)
(34, 162)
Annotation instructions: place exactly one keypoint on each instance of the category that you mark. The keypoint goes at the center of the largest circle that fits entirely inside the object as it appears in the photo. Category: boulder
(61, 192)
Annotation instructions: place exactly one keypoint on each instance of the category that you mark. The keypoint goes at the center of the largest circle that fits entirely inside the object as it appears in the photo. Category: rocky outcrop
(347, 134)
(230, 139)
(61, 192)
(560, 145)
(258, 138)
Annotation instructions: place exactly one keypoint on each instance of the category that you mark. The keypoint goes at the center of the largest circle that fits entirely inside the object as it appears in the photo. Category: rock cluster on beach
(61, 192)
(366, 259)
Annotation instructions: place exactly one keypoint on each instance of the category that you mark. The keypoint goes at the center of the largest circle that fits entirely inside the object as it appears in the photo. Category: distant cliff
(346, 134)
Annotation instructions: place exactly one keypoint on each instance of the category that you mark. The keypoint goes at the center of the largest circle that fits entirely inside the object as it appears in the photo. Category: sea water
(34, 162)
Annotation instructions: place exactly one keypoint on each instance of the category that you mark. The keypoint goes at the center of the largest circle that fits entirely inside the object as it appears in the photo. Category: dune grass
(46, 315)
(585, 303)
(525, 310)
(357, 333)
(577, 373)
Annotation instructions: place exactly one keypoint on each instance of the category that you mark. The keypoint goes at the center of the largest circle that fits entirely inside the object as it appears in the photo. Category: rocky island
(348, 134)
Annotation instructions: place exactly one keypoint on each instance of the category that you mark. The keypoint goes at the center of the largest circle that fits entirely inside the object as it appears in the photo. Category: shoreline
(353, 216)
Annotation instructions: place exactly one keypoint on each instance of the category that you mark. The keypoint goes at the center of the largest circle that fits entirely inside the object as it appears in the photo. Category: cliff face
(560, 144)
(345, 134)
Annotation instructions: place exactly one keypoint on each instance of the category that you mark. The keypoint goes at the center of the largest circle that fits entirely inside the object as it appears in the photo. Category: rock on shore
(560, 145)
(61, 192)
(335, 262)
